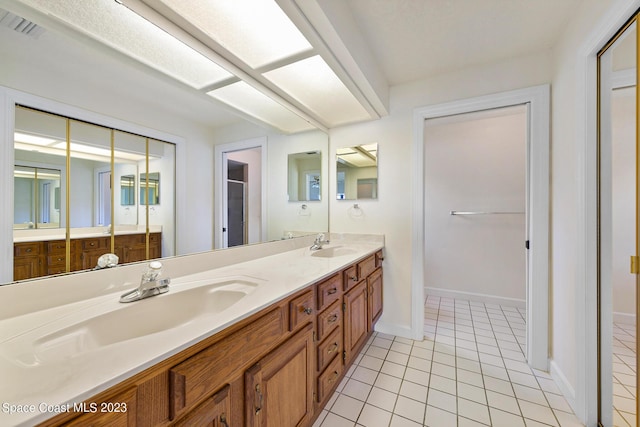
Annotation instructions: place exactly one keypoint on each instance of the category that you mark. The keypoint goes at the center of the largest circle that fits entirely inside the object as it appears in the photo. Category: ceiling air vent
(19, 24)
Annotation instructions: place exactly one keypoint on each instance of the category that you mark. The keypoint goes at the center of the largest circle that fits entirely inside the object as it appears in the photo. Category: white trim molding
(475, 296)
(538, 100)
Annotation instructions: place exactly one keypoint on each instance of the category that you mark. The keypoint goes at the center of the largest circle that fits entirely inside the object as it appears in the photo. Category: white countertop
(46, 234)
(72, 378)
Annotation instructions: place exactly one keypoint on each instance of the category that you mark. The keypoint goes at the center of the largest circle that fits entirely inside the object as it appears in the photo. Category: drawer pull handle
(333, 318)
(223, 420)
(354, 278)
(258, 399)
(381, 258)
(308, 310)
(92, 244)
(29, 250)
(332, 291)
(333, 348)
(333, 377)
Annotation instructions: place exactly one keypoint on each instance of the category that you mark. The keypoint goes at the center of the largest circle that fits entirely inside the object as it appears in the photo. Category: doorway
(239, 198)
(618, 228)
(537, 100)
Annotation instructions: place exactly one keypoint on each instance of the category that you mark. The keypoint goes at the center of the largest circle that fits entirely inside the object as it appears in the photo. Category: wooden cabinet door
(356, 320)
(279, 388)
(26, 267)
(374, 296)
(213, 412)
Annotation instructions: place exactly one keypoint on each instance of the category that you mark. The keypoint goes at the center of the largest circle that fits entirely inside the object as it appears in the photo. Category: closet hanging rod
(483, 213)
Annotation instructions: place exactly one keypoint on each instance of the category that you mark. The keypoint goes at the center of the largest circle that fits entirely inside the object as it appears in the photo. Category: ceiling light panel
(256, 104)
(117, 26)
(258, 32)
(314, 84)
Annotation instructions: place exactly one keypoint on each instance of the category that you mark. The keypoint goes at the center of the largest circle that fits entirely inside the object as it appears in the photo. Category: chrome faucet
(150, 284)
(317, 244)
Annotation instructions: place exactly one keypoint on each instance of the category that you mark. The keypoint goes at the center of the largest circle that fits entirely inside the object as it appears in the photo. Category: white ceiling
(409, 40)
(414, 39)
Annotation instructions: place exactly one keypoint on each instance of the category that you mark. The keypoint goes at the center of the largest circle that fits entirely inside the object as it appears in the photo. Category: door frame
(538, 165)
(220, 186)
(585, 404)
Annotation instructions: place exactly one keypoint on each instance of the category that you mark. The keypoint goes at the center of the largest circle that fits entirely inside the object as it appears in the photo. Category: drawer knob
(332, 291)
(333, 377)
(29, 250)
(333, 348)
(333, 318)
(308, 310)
(354, 278)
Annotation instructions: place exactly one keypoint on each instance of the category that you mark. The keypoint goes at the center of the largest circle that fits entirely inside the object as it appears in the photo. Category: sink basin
(332, 252)
(145, 317)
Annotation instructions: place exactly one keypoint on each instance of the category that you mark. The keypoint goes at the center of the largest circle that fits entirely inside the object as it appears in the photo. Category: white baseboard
(563, 384)
(393, 329)
(627, 318)
(490, 299)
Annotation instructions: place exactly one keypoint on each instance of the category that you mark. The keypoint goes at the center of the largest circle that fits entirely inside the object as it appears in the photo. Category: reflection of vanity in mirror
(304, 178)
(68, 211)
(357, 172)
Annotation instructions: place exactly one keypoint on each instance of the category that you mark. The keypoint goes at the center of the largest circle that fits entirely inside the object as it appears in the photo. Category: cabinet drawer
(27, 248)
(56, 260)
(57, 247)
(301, 310)
(154, 237)
(329, 348)
(366, 266)
(328, 380)
(329, 319)
(350, 277)
(97, 243)
(210, 369)
(329, 291)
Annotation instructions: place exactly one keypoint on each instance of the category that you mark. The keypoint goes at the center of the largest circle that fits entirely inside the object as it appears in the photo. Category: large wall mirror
(75, 195)
(357, 172)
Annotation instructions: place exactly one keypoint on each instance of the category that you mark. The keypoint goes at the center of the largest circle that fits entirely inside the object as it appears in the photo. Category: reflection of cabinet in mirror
(357, 172)
(42, 258)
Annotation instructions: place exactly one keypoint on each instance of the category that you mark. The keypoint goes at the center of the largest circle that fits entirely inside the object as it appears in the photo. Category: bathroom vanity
(263, 342)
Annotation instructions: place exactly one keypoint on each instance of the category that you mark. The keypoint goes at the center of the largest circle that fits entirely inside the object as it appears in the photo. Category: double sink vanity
(259, 335)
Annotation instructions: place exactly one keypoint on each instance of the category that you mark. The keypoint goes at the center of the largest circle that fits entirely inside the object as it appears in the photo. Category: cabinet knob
(332, 291)
(223, 420)
(333, 318)
(333, 377)
(308, 310)
(333, 348)
(28, 250)
(354, 278)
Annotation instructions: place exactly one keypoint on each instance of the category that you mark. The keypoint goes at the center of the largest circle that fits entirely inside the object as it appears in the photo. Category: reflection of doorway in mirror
(236, 203)
(313, 185)
(104, 198)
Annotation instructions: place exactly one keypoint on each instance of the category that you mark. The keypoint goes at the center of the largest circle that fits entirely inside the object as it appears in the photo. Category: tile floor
(468, 371)
(624, 375)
